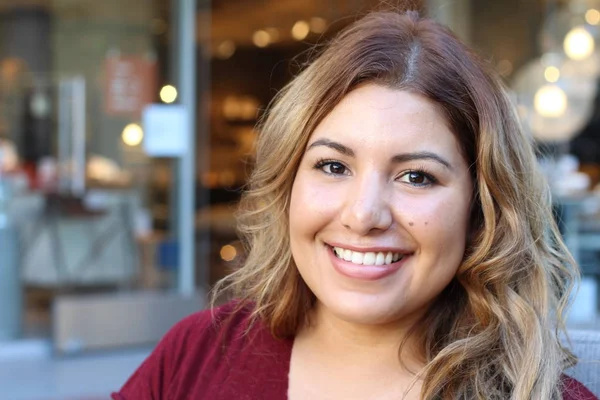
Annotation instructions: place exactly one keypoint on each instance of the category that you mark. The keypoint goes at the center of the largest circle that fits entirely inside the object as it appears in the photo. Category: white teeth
(348, 255)
(357, 258)
(389, 257)
(369, 258)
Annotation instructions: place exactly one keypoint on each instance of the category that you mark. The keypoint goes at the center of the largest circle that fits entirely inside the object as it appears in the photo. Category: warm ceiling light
(579, 44)
(228, 253)
(132, 135)
(318, 25)
(249, 108)
(231, 108)
(550, 101)
(226, 49)
(592, 16)
(273, 34)
(300, 30)
(551, 74)
(168, 94)
(261, 38)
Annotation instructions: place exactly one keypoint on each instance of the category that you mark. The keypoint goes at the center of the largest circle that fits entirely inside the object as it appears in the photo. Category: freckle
(411, 223)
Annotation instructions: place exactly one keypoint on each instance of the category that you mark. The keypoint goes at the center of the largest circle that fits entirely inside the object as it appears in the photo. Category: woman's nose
(366, 207)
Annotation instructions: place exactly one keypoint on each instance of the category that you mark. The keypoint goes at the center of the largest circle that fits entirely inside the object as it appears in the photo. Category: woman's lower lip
(364, 272)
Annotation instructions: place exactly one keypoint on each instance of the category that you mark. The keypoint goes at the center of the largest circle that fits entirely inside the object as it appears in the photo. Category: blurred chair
(586, 346)
(71, 244)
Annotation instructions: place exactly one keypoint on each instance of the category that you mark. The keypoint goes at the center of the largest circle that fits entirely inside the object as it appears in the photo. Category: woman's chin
(364, 311)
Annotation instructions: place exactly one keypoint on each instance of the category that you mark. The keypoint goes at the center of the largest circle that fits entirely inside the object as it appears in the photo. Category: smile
(367, 258)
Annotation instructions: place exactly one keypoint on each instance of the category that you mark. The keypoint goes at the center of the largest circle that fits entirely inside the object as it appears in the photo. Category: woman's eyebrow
(398, 158)
(340, 148)
(421, 155)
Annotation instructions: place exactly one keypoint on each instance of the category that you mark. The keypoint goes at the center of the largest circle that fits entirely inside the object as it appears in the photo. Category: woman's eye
(417, 178)
(333, 168)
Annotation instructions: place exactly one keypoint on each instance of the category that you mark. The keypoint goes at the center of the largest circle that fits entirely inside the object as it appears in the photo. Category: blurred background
(126, 135)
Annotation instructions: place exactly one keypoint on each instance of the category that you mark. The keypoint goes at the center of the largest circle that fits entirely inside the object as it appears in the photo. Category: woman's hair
(493, 333)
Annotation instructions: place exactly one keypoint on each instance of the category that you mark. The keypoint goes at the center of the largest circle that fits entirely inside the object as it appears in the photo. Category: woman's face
(380, 207)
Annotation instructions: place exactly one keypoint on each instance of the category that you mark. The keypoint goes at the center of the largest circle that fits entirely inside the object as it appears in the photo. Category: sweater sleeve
(152, 380)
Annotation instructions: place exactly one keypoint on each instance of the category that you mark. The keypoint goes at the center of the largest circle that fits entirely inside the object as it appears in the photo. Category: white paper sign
(165, 130)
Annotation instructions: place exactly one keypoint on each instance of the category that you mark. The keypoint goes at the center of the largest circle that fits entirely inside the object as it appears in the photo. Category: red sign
(130, 84)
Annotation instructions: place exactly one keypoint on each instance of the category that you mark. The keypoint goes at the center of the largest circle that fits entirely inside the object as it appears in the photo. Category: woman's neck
(333, 359)
(361, 344)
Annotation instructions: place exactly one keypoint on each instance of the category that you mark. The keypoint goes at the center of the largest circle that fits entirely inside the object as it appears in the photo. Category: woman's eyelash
(421, 171)
(325, 162)
(321, 162)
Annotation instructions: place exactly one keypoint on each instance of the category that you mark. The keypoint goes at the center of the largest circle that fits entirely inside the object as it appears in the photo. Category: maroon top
(210, 356)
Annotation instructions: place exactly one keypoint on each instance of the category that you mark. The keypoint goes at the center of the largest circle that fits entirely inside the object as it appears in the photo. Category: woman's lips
(364, 272)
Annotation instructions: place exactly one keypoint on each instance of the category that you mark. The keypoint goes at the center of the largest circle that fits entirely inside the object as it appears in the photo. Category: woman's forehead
(376, 116)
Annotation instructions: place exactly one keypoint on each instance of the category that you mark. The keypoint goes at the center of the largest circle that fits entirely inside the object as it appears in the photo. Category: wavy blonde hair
(493, 333)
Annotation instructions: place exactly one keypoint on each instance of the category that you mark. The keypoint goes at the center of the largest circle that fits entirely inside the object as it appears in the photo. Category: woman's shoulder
(198, 346)
(220, 328)
(575, 390)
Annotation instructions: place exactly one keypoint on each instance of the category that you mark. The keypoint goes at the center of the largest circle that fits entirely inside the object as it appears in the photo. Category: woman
(400, 241)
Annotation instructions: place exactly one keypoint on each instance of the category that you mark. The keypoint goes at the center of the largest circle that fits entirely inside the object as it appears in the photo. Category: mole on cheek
(426, 222)
(411, 223)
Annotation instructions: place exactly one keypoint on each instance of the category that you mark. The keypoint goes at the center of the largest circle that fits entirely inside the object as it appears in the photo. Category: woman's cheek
(432, 218)
(323, 197)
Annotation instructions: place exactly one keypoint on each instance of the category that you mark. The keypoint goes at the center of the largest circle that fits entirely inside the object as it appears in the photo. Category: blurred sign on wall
(165, 130)
(130, 84)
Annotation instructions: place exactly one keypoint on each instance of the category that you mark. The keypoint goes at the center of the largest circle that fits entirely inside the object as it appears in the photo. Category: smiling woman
(400, 241)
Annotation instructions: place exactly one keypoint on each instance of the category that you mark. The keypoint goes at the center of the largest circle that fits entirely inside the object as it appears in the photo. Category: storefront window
(85, 208)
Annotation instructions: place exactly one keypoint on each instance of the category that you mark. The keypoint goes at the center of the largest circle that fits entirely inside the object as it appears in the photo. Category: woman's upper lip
(367, 249)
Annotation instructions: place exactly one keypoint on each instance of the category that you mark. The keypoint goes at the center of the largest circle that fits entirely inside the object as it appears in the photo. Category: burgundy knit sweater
(209, 355)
